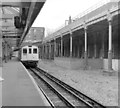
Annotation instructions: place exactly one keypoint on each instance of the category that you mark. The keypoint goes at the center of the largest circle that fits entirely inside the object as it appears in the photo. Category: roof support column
(1, 79)
(85, 53)
(0, 41)
(71, 44)
(45, 50)
(110, 43)
(95, 46)
(42, 51)
(61, 45)
(50, 50)
(0, 60)
(6, 52)
(0, 48)
(54, 47)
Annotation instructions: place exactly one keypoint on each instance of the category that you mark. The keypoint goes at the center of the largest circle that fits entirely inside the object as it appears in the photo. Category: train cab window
(24, 51)
(30, 51)
(35, 51)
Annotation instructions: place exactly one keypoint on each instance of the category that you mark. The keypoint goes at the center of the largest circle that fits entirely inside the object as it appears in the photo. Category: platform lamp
(17, 22)
(24, 17)
(20, 21)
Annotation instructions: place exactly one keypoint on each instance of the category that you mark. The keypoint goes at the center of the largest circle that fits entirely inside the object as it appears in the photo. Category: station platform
(96, 84)
(19, 88)
(1, 79)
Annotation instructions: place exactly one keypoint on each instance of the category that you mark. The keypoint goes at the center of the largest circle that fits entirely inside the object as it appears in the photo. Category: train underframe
(30, 63)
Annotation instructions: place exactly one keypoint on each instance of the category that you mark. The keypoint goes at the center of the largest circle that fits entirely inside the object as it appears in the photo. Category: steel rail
(48, 99)
(87, 100)
(76, 97)
(63, 98)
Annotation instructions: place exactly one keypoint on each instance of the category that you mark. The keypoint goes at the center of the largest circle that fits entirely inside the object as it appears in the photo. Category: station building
(88, 42)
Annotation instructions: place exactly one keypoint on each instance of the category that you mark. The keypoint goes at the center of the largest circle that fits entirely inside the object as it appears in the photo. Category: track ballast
(59, 93)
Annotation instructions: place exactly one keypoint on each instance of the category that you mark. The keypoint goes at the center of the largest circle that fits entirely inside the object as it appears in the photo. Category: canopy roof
(11, 8)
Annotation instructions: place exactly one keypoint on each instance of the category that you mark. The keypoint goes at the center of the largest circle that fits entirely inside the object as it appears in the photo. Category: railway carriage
(29, 55)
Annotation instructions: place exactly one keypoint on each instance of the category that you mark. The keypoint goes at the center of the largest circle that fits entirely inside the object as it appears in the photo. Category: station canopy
(16, 18)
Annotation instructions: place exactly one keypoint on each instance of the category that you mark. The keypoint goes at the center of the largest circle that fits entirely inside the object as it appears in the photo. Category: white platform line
(36, 86)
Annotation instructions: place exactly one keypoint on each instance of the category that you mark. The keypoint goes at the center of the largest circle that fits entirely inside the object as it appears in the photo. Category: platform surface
(18, 89)
(1, 86)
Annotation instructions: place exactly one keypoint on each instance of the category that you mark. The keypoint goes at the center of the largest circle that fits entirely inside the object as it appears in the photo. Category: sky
(55, 12)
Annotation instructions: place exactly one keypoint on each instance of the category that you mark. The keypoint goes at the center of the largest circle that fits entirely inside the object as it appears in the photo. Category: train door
(29, 53)
(35, 53)
(24, 54)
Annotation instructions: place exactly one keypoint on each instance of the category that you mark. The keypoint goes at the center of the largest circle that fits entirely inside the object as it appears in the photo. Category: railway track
(60, 94)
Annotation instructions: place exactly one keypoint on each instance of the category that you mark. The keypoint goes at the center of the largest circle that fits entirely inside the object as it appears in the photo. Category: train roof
(30, 46)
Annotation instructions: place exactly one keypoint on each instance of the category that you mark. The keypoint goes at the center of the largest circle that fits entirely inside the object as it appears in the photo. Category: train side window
(24, 51)
(30, 51)
(35, 51)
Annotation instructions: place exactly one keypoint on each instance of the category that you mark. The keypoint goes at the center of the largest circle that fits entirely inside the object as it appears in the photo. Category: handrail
(92, 8)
